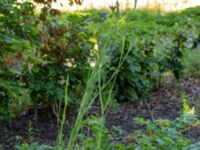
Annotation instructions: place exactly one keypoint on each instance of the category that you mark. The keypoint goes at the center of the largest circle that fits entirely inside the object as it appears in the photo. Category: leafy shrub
(173, 60)
(158, 46)
(65, 52)
(39, 52)
(16, 32)
(137, 75)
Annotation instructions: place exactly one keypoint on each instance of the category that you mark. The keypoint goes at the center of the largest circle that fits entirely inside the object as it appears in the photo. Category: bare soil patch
(165, 103)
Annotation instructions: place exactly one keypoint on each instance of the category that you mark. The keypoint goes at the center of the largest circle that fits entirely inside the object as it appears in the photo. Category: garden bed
(165, 103)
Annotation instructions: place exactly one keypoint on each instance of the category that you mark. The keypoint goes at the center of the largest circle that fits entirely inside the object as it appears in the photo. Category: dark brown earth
(165, 103)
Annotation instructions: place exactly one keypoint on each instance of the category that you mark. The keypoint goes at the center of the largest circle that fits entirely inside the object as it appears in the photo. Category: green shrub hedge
(39, 51)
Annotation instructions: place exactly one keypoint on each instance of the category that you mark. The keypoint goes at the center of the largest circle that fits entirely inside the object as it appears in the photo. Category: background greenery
(42, 50)
(39, 50)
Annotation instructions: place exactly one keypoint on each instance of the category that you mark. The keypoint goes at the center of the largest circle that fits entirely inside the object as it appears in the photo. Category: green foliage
(137, 75)
(157, 46)
(160, 134)
(165, 134)
(16, 32)
(49, 2)
(94, 127)
(193, 64)
(14, 99)
(194, 146)
(173, 60)
(39, 51)
(65, 52)
(34, 146)
(157, 134)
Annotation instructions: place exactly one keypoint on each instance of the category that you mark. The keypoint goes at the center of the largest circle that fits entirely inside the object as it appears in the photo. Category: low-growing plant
(165, 134)
(157, 134)
(34, 146)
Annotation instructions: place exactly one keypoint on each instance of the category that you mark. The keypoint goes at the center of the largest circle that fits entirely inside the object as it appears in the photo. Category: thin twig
(149, 110)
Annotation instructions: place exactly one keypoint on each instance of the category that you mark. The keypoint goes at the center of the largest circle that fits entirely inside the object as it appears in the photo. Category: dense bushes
(16, 34)
(39, 51)
(66, 51)
(138, 73)
(155, 47)
(37, 55)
